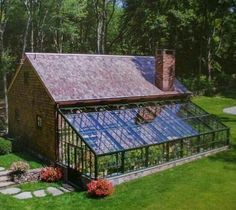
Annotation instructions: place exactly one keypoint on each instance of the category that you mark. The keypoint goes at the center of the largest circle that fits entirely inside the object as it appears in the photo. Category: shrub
(19, 167)
(100, 188)
(5, 146)
(2, 124)
(201, 86)
(50, 174)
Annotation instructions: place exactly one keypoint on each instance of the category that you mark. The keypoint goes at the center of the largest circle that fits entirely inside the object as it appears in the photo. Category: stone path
(54, 191)
(5, 179)
(39, 193)
(23, 195)
(10, 191)
(7, 189)
(230, 110)
(19, 194)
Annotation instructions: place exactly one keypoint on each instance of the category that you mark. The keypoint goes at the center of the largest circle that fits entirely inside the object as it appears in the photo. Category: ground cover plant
(5, 146)
(209, 183)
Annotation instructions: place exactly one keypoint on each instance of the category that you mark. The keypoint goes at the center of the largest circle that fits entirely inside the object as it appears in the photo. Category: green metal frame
(71, 142)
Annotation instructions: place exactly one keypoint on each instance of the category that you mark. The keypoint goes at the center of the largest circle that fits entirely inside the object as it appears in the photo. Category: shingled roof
(81, 77)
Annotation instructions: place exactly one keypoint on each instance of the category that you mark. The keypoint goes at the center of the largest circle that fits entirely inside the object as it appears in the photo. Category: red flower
(100, 188)
(50, 174)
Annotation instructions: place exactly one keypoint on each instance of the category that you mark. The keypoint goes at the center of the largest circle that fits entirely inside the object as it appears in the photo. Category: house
(107, 115)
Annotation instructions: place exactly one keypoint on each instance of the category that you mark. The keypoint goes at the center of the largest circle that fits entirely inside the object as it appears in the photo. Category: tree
(197, 29)
(5, 59)
(201, 31)
(104, 10)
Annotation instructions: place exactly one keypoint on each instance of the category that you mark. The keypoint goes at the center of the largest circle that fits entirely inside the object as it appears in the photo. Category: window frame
(39, 121)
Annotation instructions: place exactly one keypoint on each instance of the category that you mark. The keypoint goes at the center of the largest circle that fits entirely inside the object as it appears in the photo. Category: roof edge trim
(123, 100)
(16, 73)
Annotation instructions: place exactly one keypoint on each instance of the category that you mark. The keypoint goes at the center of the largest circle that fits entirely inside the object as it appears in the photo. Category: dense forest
(203, 33)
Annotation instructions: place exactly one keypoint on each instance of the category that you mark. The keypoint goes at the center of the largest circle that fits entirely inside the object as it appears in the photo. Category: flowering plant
(19, 167)
(100, 188)
(50, 174)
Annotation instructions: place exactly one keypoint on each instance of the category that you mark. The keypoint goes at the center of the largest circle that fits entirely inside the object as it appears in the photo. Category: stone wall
(30, 176)
(28, 98)
(137, 174)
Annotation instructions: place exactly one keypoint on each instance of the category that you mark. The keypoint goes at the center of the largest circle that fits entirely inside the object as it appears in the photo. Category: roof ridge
(95, 55)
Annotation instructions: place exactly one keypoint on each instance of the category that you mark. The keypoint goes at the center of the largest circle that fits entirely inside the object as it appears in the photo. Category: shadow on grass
(92, 197)
(229, 94)
(228, 119)
(228, 156)
(30, 158)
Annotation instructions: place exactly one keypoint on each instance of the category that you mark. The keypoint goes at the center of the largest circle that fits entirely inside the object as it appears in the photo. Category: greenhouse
(110, 140)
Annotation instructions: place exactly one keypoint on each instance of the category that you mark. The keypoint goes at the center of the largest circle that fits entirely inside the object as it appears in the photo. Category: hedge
(5, 146)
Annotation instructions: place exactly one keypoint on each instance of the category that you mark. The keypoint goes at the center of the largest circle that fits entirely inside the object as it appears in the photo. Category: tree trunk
(209, 54)
(32, 37)
(41, 33)
(26, 35)
(1, 44)
(6, 99)
(3, 23)
(209, 66)
(100, 9)
(99, 35)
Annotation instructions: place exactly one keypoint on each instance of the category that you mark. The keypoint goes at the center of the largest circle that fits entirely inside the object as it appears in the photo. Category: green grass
(7, 160)
(38, 186)
(206, 184)
(215, 105)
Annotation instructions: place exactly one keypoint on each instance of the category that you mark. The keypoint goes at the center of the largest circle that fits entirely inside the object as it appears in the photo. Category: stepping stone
(6, 184)
(4, 173)
(10, 191)
(2, 169)
(23, 195)
(39, 193)
(54, 191)
(64, 189)
(68, 187)
(4, 178)
(230, 110)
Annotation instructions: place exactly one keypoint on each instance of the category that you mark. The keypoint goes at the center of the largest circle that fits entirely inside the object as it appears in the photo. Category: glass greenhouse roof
(108, 129)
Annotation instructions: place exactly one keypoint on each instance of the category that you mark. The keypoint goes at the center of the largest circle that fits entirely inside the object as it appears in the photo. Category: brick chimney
(165, 69)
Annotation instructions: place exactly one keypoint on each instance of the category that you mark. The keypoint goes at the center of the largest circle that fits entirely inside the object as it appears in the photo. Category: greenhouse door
(74, 174)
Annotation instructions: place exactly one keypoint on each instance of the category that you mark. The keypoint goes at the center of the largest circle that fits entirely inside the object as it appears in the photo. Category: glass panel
(134, 159)
(109, 129)
(156, 155)
(109, 165)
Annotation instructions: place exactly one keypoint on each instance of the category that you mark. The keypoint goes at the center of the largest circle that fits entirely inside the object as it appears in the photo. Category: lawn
(6, 160)
(209, 183)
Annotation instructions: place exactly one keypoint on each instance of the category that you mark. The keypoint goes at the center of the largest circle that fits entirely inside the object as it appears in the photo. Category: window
(17, 115)
(39, 121)
(26, 78)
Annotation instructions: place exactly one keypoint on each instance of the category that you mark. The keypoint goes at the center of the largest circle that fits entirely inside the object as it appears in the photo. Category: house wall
(28, 99)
